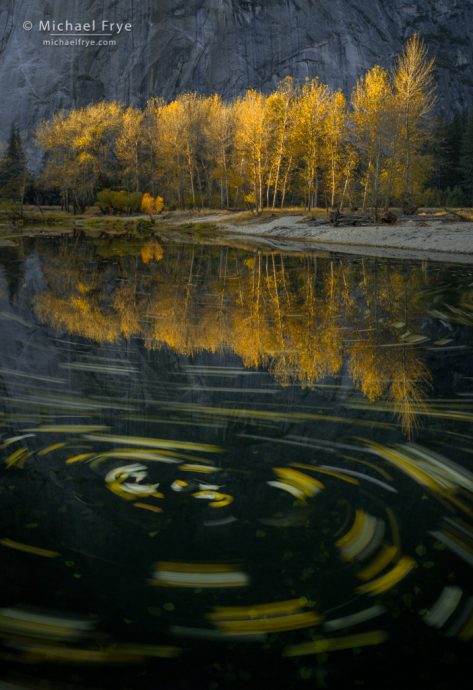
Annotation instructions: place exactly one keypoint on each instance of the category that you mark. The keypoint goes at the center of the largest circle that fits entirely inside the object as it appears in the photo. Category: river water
(228, 467)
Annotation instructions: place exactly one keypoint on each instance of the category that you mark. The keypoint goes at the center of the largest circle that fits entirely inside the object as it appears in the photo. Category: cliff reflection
(305, 318)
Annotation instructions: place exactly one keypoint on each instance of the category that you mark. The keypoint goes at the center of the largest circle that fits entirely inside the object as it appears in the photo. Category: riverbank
(433, 235)
(438, 237)
(416, 237)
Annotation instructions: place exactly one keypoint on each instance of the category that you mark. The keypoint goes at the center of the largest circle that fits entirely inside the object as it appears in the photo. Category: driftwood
(388, 217)
(313, 222)
(338, 219)
(459, 216)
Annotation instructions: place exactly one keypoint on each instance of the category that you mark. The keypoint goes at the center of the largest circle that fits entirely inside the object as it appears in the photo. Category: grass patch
(199, 230)
(113, 224)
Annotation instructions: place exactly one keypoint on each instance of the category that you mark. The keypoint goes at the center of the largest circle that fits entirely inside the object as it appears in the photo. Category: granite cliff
(217, 45)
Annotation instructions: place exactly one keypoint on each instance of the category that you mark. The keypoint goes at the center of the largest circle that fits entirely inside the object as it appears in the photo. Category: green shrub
(110, 201)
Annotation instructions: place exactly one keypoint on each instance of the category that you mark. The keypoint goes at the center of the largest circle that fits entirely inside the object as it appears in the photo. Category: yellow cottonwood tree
(336, 142)
(414, 90)
(281, 111)
(152, 205)
(219, 133)
(374, 118)
(309, 139)
(300, 143)
(79, 148)
(251, 144)
(128, 147)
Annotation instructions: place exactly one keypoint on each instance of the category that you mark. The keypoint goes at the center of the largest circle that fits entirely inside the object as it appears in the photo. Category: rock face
(217, 45)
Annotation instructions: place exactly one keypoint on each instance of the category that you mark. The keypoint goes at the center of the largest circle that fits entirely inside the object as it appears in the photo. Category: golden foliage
(151, 251)
(302, 143)
(153, 206)
(290, 321)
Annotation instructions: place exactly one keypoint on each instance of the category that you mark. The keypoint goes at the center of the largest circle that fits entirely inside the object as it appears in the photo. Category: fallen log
(339, 219)
(389, 218)
(460, 216)
(313, 222)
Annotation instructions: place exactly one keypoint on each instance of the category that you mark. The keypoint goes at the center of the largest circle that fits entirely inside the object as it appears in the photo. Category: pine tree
(444, 148)
(13, 171)
(466, 161)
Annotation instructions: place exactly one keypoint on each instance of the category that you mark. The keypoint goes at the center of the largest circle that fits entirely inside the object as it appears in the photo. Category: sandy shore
(438, 240)
(431, 237)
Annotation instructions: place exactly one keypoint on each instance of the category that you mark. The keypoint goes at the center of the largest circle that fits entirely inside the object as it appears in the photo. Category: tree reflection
(305, 318)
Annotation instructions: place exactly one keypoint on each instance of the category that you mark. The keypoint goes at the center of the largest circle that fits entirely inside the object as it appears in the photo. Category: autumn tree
(151, 165)
(179, 127)
(336, 144)
(129, 146)
(281, 117)
(218, 132)
(311, 113)
(79, 149)
(414, 89)
(152, 205)
(374, 126)
(64, 167)
(303, 142)
(170, 161)
(251, 145)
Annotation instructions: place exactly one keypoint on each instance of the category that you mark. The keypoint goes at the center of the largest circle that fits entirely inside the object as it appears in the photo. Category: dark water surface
(233, 468)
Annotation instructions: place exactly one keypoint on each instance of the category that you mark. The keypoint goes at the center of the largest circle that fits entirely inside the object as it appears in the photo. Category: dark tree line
(13, 169)
(451, 180)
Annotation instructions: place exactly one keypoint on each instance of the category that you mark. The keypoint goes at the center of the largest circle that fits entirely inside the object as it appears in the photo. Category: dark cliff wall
(219, 45)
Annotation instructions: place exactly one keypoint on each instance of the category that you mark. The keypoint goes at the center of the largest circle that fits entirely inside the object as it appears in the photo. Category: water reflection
(304, 319)
(242, 458)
